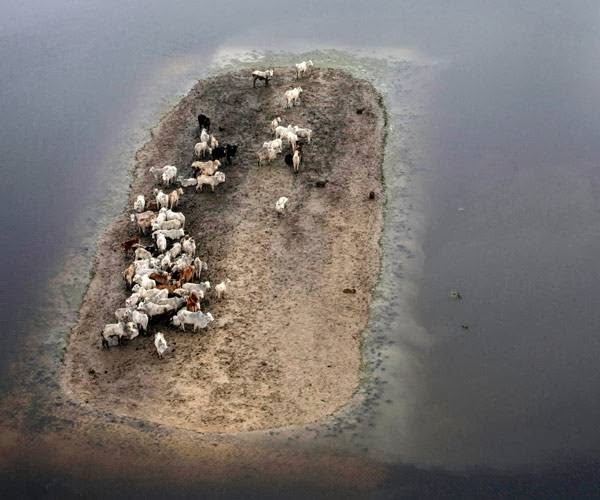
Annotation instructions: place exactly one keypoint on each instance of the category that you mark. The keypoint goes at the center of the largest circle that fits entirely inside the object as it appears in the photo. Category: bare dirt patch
(284, 348)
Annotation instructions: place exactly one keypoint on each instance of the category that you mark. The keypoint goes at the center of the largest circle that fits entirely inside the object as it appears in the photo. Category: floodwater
(492, 191)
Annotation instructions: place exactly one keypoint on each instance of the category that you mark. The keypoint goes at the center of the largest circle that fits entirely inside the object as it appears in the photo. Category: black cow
(289, 159)
(230, 152)
(219, 153)
(204, 122)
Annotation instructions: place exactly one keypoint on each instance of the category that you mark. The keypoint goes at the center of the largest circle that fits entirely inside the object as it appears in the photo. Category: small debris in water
(461, 209)
(464, 327)
(455, 295)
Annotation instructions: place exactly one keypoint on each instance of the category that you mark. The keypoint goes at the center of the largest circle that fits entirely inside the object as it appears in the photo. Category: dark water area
(504, 174)
(514, 226)
(573, 480)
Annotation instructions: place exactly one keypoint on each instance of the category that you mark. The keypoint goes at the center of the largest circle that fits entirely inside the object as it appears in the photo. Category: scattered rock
(321, 184)
(371, 195)
(360, 111)
(349, 290)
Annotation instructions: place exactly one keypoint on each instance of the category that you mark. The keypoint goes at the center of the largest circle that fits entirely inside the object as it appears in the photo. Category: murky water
(492, 190)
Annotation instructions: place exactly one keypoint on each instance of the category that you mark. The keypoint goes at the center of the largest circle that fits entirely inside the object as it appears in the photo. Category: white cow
(162, 199)
(201, 149)
(265, 155)
(197, 319)
(210, 180)
(296, 160)
(161, 344)
(113, 333)
(275, 123)
(139, 204)
(170, 215)
(169, 174)
(199, 288)
(188, 245)
(303, 132)
(204, 136)
(302, 68)
(158, 171)
(292, 96)
(221, 288)
(276, 145)
(161, 242)
(140, 319)
(172, 234)
(280, 205)
(190, 181)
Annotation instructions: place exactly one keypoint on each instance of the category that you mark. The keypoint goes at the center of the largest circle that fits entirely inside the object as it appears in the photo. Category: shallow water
(493, 110)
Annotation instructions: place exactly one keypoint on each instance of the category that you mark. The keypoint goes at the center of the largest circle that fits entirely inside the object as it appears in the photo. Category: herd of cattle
(165, 276)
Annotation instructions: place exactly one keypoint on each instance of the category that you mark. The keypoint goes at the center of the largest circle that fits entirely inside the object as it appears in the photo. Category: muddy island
(284, 348)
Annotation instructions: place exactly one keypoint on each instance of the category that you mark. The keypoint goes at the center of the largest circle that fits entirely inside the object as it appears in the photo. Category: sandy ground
(285, 346)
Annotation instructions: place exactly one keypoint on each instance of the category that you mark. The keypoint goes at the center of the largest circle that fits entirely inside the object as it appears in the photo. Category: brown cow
(128, 274)
(129, 244)
(160, 278)
(192, 303)
(187, 274)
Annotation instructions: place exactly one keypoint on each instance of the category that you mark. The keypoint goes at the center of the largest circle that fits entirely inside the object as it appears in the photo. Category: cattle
(161, 344)
(302, 68)
(197, 319)
(193, 303)
(292, 96)
(161, 278)
(219, 153)
(265, 155)
(187, 274)
(129, 244)
(275, 123)
(199, 289)
(143, 220)
(221, 288)
(296, 160)
(211, 180)
(203, 122)
(280, 205)
(139, 204)
(230, 152)
(263, 76)
(114, 333)
(289, 160)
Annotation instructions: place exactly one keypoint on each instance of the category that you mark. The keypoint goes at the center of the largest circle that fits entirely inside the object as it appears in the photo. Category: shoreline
(266, 362)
